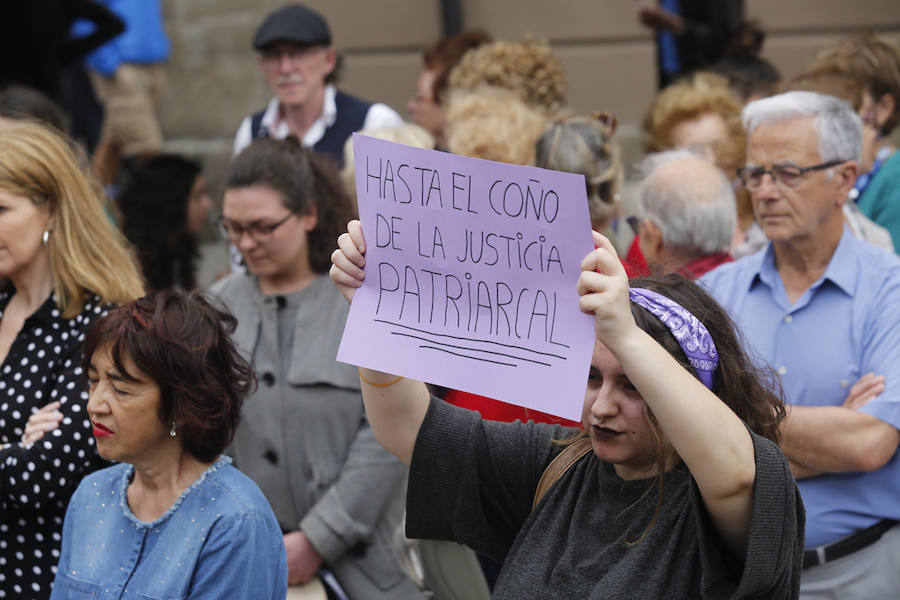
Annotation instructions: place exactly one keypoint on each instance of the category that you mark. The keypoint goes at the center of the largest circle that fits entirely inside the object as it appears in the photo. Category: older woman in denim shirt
(174, 519)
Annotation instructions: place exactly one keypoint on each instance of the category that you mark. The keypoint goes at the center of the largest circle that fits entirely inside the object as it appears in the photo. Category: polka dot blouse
(43, 365)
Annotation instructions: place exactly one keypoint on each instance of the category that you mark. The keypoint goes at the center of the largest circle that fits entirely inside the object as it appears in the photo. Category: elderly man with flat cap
(298, 62)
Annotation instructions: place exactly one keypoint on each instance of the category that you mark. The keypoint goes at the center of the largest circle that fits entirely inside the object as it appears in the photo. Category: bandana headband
(689, 332)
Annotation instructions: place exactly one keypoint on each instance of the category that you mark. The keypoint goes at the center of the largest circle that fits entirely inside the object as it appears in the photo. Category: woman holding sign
(675, 488)
(304, 438)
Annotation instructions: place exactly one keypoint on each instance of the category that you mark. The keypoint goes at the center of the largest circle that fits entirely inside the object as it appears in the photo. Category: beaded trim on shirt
(126, 480)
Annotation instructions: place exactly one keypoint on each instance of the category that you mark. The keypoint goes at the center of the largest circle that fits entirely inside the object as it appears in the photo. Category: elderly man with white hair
(687, 214)
(823, 308)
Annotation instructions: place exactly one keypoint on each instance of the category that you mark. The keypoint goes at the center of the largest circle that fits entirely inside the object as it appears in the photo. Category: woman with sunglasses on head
(304, 439)
(677, 489)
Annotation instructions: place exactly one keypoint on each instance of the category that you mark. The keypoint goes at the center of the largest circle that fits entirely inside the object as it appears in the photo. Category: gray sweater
(473, 481)
(304, 437)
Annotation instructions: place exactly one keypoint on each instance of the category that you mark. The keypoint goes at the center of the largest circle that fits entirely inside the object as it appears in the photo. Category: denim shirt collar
(840, 271)
(128, 475)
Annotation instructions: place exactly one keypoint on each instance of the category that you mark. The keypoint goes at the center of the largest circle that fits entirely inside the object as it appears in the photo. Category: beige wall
(214, 82)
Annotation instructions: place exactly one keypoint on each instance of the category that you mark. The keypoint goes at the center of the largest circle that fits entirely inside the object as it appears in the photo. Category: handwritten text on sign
(471, 269)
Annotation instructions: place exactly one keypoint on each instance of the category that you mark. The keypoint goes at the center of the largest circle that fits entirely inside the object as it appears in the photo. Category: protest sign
(471, 271)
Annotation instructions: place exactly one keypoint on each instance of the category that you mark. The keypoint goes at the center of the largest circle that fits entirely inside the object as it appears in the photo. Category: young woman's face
(278, 253)
(614, 419)
(124, 414)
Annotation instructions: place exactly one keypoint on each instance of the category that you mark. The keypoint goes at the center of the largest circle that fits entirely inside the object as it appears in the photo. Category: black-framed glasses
(272, 56)
(787, 175)
(258, 232)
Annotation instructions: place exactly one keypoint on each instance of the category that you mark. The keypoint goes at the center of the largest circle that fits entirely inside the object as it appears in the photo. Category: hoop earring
(46, 237)
(172, 431)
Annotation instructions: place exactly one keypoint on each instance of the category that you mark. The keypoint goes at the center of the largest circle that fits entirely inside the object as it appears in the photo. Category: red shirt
(700, 266)
(635, 264)
(494, 410)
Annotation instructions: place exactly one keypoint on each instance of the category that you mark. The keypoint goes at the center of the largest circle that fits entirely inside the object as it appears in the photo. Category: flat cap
(293, 23)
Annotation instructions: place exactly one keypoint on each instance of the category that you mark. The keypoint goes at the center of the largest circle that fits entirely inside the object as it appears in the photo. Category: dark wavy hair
(182, 342)
(754, 394)
(304, 180)
(153, 205)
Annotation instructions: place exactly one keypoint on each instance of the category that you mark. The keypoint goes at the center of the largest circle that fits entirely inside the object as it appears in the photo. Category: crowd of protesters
(741, 418)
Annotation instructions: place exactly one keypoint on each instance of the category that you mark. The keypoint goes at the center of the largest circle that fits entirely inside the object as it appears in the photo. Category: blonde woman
(61, 266)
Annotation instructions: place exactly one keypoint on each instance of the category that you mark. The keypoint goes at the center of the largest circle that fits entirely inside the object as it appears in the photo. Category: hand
(867, 388)
(40, 422)
(348, 260)
(652, 15)
(603, 287)
(302, 558)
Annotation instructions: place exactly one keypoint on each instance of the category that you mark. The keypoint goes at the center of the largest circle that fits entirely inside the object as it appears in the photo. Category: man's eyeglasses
(786, 175)
(296, 54)
(258, 232)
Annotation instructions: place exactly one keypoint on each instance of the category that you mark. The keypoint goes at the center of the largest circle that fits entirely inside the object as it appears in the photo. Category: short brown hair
(304, 180)
(443, 55)
(183, 344)
(873, 60)
(832, 82)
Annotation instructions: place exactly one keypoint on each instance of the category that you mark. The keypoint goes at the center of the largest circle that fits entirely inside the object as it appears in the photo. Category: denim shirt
(218, 540)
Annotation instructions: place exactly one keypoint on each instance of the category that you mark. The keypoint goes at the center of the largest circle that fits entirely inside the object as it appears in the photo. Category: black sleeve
(108, 26)
(473, 481)
(773, 563)
(52, 467)
(709, 35)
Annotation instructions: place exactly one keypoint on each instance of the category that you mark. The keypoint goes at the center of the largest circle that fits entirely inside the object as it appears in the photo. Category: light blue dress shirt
(219, 540)
(846, 325)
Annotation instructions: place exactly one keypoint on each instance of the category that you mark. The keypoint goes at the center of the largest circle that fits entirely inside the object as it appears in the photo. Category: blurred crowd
(243, 460)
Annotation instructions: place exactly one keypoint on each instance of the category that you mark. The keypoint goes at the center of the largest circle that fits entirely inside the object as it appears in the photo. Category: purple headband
(691, 334)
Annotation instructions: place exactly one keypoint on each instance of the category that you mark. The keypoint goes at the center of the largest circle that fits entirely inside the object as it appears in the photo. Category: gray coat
(304, 439)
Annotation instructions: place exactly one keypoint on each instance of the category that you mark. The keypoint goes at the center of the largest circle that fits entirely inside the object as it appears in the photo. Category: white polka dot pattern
(36, 482)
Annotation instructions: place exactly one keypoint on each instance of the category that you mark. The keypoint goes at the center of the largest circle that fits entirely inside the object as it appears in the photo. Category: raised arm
(395, 406)
(711, 440)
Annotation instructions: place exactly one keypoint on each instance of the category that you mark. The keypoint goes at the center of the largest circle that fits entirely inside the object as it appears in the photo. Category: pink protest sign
(471, 270)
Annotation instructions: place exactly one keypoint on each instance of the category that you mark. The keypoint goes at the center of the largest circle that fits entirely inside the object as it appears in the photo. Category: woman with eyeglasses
(304, 438)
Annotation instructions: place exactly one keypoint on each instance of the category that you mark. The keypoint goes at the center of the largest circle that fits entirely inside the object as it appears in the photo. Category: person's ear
(845, 178)
(330, 59)
(310, 218)
(650, 240)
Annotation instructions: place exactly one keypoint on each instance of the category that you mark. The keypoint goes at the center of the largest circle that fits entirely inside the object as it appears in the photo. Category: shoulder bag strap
(559, 465)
